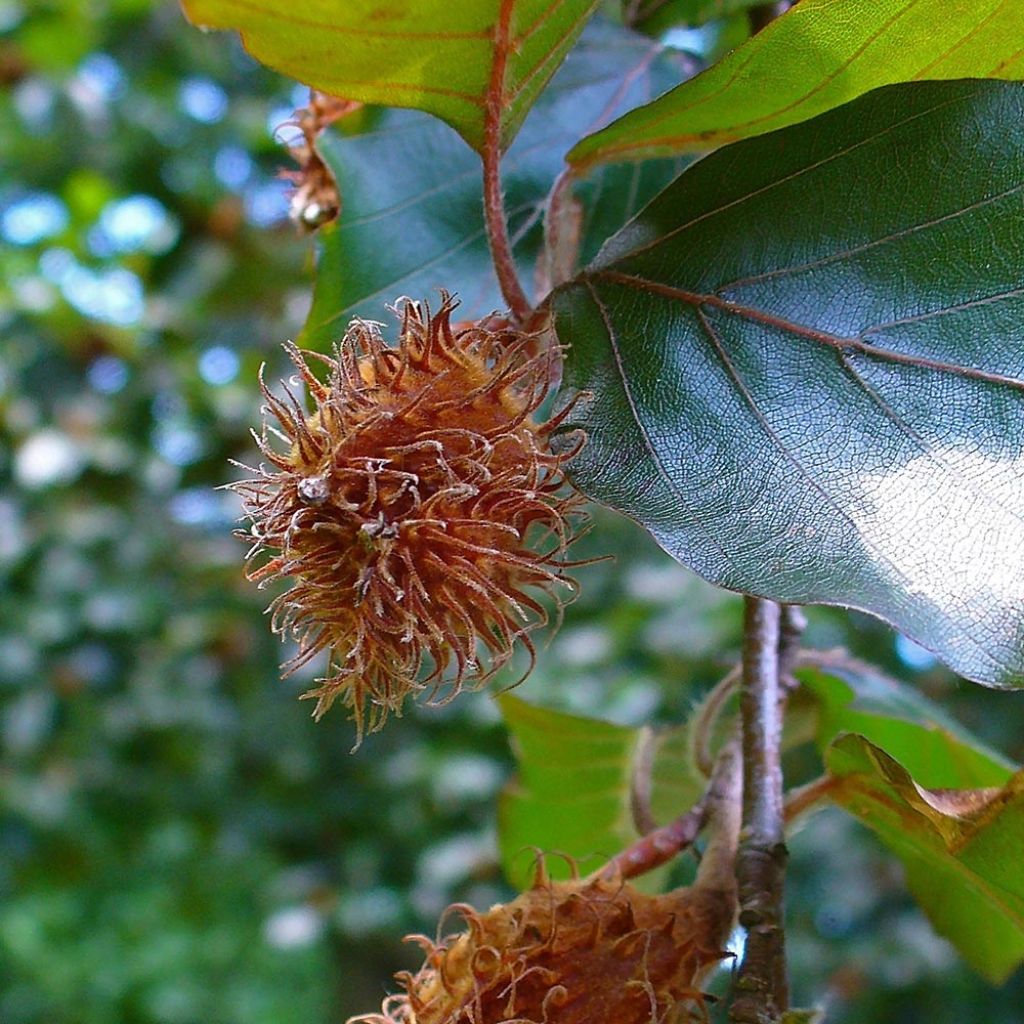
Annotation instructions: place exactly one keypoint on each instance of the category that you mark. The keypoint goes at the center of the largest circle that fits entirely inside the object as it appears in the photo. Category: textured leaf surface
(456, 60)
(960, 848)
(412, 219)
(805, 361)
(820, 54)
(938, 751)
(573, 790)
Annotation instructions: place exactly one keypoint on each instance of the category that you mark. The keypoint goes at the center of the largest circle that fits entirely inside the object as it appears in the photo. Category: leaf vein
(867, 246)
(351, 30)
(815, 334)
(769, 431)
(635, 412)
(793, 176)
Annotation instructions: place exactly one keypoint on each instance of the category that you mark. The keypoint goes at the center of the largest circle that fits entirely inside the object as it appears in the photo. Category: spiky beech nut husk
(418, 509)
(595, 952)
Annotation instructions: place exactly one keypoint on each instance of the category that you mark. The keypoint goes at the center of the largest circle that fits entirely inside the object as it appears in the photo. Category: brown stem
(641, 782)
(494, 200)
(791, 628)
(807, 797)
(660, 846)
(718, 808)
(723, 800)
(762, 987)
(563, 222)
(497, 236)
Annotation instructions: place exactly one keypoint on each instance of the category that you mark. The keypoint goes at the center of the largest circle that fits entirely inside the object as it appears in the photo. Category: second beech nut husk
(581, 952)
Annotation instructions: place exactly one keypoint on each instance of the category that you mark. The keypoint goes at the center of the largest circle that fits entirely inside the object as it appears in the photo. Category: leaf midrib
(834, 341)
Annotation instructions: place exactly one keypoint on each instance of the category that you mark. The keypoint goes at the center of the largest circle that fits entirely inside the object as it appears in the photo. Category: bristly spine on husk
(401, 507)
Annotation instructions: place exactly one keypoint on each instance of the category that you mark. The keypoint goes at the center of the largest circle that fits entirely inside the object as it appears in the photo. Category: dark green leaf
(804, 363)
(961, 849)
(412, 219)
(456, 60)
(812, 59)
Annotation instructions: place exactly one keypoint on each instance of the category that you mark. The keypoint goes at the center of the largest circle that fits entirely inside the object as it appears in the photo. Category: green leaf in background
(412, 221)
(960, 848)
(456, 60)
(574, 788)
(937, 750)
(804, 371)
(819, 55)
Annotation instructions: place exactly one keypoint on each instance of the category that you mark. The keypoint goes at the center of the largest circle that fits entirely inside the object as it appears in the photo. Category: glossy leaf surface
(806, 371)
(820, 54)
(457, 61)
(412, 219)
(960, 849)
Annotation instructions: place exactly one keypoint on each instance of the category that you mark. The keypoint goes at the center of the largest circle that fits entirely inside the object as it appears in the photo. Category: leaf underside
(462, 61)
(820, 54)
(960, 850)
(804, 364)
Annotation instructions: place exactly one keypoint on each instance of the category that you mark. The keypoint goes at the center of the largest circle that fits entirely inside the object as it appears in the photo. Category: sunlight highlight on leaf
(808, 373)
(463, 62)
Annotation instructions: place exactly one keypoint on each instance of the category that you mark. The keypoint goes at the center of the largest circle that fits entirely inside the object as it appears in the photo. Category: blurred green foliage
(179, 843)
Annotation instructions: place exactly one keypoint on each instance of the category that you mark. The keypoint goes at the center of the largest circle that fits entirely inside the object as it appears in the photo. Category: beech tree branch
(762, 987)
(717, 807)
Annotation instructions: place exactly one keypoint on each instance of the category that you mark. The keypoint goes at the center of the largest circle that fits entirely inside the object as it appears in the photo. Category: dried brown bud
(407, 508)
(595, 952)
(314, 199)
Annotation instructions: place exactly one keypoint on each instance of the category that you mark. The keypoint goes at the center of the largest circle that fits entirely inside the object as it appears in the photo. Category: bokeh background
(179, 842)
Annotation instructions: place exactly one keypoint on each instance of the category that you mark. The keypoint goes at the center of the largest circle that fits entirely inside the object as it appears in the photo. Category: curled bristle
(580, 952)
(416, 509)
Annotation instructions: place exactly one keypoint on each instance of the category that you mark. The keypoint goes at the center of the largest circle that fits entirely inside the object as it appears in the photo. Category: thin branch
(791, 629)
(717, 807)
(494, 200)
(808, 797)
(762, 987)
(660, 846)
(563, 223)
